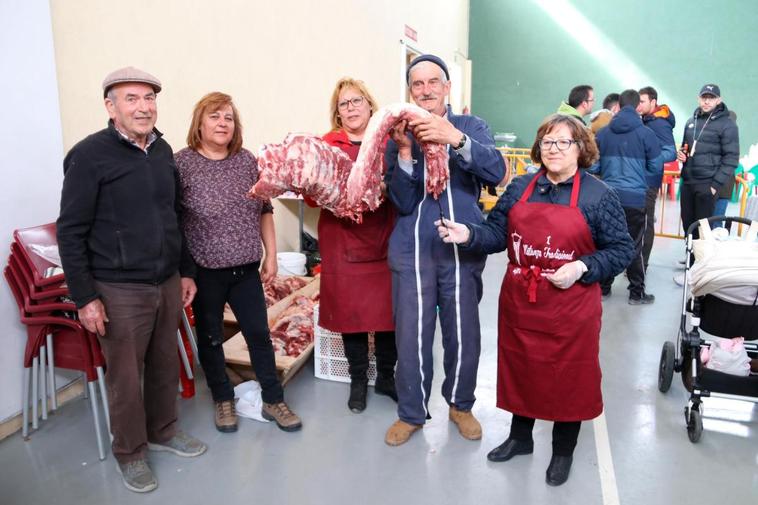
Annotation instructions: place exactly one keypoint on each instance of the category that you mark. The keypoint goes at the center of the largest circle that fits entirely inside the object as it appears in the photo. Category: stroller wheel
(666, 367)
(695, 425)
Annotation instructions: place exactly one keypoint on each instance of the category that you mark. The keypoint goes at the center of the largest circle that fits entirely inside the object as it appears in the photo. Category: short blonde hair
(211, 103)
(348, 82)
(585, 141)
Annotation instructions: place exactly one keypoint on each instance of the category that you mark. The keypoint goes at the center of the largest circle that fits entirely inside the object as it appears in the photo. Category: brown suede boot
(400, 432)
(467, 423)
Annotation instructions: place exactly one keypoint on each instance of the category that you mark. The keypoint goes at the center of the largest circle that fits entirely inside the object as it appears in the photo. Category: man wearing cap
(428, 274)
(710, 152)
(122, 249)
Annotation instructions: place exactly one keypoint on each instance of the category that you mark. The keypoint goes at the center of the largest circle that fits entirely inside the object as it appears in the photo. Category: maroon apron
(356, 282)
(548, 338)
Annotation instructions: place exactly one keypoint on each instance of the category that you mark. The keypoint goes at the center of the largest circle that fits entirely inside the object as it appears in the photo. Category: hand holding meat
(399, 134)
(567, 275)
(309, 166)
(451, 232)
(435, 129)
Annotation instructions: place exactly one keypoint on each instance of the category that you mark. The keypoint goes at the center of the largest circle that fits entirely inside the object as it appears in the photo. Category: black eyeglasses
(561, 144)
(355, 102)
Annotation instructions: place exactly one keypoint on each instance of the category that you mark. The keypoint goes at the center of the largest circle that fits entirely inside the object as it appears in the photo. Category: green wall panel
(527, 55)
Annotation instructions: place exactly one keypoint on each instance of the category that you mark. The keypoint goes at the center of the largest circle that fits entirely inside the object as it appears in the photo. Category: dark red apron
(356, 282)
(548, 338)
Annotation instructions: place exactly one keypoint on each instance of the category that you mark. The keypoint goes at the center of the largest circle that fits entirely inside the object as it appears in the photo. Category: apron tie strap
(534, 275)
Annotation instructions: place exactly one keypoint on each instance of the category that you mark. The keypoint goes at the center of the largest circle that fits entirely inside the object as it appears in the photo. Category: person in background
(712, 153)
(354, 259)
(601, 118)
(580, 101)
(661, 120)
(564, 231)
(630, 156)
(128, 270)
(227, 235)
(428, 274)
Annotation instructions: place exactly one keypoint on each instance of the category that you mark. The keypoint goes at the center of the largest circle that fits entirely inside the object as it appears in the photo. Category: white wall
(32, 148)
(279, 60)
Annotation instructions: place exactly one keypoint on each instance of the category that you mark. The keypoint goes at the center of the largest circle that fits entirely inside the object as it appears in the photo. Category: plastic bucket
(291, 263)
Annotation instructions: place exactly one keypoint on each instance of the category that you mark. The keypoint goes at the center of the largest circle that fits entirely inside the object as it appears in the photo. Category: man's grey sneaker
(280, 413)
(182, 444)
(137, 476)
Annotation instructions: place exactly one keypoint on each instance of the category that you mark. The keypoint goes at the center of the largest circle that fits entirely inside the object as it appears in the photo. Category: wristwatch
(462, 143)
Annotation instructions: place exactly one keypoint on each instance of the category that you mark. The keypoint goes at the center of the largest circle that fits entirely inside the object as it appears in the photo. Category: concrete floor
(340, 457)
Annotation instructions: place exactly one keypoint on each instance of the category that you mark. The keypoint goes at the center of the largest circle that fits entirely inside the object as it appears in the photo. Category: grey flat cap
(130, 74)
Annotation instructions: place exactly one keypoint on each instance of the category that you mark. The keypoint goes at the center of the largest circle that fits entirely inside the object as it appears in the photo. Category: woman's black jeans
(241, 287)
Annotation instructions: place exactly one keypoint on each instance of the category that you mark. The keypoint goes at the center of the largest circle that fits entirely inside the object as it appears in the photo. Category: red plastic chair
(42, 235)
(51, 291)
(669, 181)
(72, 349)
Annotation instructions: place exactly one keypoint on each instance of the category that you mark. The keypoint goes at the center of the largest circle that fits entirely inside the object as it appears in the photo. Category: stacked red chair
(52, 333)
(56, 338)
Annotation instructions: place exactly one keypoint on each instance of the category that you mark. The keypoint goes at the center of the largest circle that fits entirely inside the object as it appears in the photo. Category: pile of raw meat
(292, 331)
(307, 165)
(282, 286)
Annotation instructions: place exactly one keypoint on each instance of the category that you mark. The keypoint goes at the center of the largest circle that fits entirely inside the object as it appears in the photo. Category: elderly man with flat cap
(122, 251)
(427, 273)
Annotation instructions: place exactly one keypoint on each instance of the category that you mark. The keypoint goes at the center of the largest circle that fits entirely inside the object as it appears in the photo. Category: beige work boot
(226, 416)
(467, 423)
(281, 414)
(400, 432)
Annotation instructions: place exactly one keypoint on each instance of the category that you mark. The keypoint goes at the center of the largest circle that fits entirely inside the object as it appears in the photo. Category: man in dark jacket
(710, 153)
(121, 247)
(660, 119)
(630, 156)
(428, 274)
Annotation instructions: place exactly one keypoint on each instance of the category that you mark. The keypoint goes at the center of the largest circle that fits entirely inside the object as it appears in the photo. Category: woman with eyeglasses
(564, 231)
(356, 284)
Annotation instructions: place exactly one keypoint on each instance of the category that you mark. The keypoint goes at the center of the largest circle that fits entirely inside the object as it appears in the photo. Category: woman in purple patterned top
(224, 231)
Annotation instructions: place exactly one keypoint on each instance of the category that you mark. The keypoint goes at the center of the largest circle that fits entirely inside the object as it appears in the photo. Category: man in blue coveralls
(426, 272)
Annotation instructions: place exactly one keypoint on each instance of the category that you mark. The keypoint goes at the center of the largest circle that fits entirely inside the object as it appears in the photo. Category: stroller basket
(724, 271)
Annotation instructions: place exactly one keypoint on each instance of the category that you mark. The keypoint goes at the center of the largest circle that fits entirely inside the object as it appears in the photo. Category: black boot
(558, 471)
(385, 386)
(356, 352)
(386, 358)
(565, 435)
(511, 447)
(357, 401)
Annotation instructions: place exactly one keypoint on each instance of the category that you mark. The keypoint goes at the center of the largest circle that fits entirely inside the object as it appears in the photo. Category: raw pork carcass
(363, 184)
(309, 166)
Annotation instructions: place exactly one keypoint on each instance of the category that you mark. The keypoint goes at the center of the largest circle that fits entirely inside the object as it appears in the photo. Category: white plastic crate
(329, 361)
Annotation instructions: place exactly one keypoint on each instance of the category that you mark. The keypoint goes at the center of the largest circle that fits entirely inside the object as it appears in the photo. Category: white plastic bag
(727, 355)
(249, 402)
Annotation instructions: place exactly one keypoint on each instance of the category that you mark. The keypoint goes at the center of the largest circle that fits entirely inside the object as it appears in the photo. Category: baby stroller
(720, 295)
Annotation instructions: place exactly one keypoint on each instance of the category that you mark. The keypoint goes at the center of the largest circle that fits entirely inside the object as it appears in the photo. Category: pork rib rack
(307, 165)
